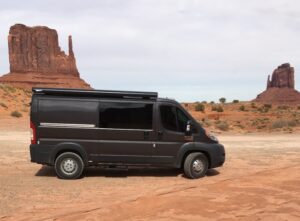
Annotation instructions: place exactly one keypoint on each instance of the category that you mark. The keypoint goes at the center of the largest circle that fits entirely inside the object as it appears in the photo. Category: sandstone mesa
(36, 59)
(280, 87)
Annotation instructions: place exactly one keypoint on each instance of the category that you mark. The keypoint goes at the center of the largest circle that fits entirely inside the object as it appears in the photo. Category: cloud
(190, 50)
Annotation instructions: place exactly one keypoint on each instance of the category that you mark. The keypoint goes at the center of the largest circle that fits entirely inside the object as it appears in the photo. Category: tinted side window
(126, 115)
(72, 111)
(173, 118)
(182, 120)
(168, 117)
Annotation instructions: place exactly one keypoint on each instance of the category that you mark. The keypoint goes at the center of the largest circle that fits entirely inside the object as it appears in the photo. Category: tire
(195, 165)
(69, 165)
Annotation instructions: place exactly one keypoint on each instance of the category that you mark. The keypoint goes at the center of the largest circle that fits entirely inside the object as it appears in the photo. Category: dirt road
(259, 181)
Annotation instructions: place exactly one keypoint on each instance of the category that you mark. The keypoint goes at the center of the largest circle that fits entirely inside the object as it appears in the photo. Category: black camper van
(73, 129)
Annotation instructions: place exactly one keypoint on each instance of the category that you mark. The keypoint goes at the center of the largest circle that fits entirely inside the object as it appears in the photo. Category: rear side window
(172, 118)
(68, 111)
(126, 115)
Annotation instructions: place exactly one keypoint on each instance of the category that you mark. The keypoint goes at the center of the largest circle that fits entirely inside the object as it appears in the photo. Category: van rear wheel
(195, 165)
(69, 165)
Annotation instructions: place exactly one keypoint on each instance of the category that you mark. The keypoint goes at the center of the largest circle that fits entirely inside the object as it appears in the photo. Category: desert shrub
(263, 109)
(261, 126)
(284, 123)
(3, 105)
(283, 107)
(223, 125)
(206, 122)
(220, 109)
(235, 101)
(269, 106)
(16, 114)
(242, 108)
(204, 102)
(200, 107)
(212, 102)
(253, 105)
(217, 108)
(222, 100)
(8, 88)
(240, 126)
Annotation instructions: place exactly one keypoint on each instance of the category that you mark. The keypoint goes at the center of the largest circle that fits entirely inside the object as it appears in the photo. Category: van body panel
(105, 128)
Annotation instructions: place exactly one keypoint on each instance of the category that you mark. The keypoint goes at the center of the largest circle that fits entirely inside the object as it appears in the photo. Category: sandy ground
(259, 181)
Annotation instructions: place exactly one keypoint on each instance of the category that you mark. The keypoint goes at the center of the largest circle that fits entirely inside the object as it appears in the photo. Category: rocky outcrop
(282, 77)
(37, 60)
(281, 87)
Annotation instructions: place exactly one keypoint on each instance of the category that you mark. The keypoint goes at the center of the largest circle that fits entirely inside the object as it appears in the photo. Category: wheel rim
(69, 166)
(198, 166)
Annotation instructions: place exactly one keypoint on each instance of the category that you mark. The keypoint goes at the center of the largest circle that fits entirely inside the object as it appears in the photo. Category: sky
(189, 50)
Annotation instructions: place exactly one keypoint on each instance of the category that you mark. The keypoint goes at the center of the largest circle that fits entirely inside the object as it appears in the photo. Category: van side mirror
(188, 129)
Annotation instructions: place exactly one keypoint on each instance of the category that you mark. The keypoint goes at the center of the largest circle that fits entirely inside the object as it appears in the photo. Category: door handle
(160, 134)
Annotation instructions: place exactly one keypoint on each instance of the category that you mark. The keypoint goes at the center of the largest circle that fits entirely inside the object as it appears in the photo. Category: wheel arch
(189, 148)
(69, 147)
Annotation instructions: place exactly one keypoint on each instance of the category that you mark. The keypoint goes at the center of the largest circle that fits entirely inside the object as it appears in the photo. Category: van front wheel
(69, 165)
(195, 165)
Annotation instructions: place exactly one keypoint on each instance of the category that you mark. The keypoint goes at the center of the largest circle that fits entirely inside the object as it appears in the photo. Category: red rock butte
(281, 87)
(37, 60)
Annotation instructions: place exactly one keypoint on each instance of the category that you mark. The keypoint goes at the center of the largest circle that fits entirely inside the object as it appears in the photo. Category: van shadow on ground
(47, 171)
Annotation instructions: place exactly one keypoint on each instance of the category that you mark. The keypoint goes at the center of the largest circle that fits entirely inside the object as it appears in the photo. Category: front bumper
(217, 155)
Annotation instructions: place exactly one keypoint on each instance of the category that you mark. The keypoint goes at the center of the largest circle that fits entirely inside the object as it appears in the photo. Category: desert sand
(259, 181)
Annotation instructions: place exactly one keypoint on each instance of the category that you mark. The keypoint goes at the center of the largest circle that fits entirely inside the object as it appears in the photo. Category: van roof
(96, 93)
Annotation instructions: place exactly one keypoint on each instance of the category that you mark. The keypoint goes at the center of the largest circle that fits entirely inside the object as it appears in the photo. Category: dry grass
(284, 123)
(16, 114)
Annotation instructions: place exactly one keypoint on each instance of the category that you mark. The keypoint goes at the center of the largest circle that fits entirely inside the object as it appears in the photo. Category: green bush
(253, 105)
(212, 102)
(200, 107)
(242, 108)
(223, 125)
(16, 114)
(217, 108)
(222, 100)
(235, 101)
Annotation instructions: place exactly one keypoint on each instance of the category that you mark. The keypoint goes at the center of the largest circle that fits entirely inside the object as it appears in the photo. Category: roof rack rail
(96, 93)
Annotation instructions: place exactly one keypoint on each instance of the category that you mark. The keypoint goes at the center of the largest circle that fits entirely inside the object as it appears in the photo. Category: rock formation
(282, 77)
(37, 60)
(281, 87)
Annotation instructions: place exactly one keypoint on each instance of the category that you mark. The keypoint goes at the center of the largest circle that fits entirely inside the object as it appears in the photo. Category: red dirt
(259, 181)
